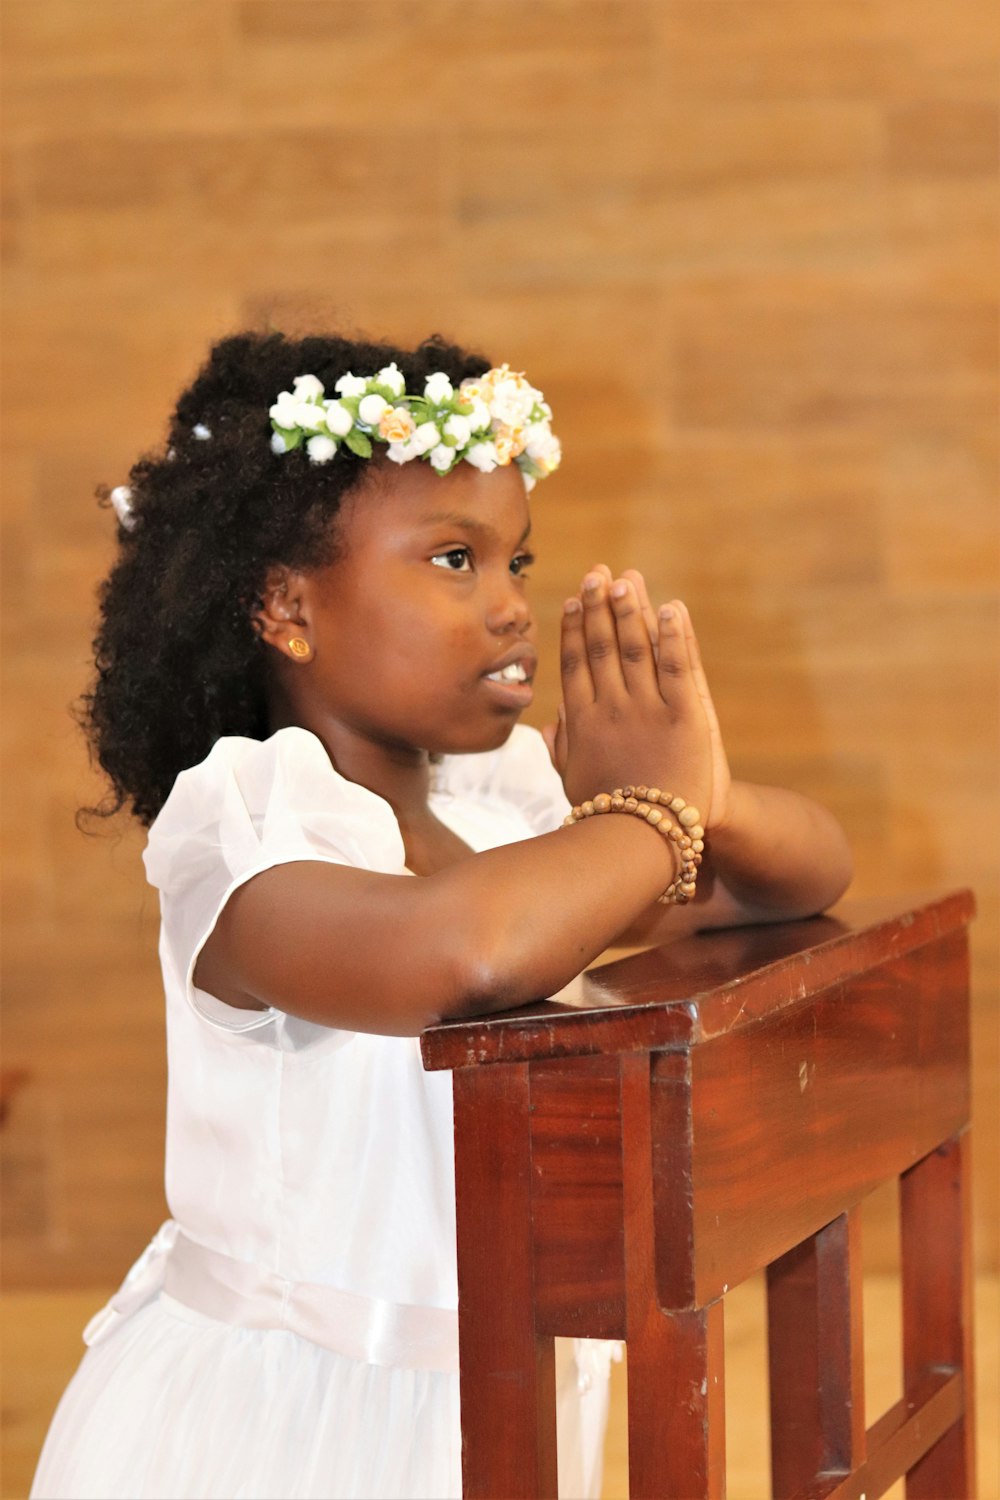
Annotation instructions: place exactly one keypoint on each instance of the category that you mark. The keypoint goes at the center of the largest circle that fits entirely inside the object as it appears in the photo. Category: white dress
(292, 1329)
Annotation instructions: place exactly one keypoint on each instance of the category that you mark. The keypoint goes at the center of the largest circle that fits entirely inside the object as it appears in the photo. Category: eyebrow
(470, 523)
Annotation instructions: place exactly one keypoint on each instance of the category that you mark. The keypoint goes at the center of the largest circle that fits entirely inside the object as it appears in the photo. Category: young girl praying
(315, 646)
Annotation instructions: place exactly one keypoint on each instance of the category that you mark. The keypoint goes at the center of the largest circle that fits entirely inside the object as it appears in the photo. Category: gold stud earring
(298, 647)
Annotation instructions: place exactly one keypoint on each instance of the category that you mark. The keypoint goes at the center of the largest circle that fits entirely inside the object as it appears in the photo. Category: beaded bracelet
(686, 834)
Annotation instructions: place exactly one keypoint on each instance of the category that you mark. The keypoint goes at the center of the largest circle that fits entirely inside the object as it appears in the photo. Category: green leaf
(291, 435)
(359, 444)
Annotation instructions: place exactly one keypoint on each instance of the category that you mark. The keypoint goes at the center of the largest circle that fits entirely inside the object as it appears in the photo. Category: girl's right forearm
(537, 912)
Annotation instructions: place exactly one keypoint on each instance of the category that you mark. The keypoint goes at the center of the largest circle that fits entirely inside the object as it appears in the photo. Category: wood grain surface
(747, 248)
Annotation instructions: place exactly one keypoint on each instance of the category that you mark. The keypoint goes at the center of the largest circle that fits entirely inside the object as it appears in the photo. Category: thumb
(549, 736)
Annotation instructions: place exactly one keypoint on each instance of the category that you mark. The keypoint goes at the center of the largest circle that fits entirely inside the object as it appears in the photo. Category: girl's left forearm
(779, 852)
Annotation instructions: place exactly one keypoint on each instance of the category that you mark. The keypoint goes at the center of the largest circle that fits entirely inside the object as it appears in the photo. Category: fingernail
(666, 613)
(572, 607)
(619, 590)
(591, 582)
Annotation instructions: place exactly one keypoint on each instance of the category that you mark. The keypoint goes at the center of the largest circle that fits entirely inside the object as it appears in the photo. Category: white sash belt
(368, 1329)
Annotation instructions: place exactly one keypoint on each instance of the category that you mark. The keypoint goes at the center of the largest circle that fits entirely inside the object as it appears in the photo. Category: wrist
(669, 816)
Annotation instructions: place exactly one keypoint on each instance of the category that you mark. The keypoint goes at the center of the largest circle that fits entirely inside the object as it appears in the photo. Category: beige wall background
(748, 249)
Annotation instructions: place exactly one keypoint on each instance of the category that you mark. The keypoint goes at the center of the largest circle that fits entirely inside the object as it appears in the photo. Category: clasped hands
(636, 705)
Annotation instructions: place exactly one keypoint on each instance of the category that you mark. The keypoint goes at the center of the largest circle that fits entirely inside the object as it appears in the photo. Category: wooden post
(676, 1390)
(816, 1357)
(935, 1229)
(507, 1381)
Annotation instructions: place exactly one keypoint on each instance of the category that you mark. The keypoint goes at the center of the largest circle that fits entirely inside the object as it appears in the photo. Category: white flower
(321, 449)
(529, 482)
(442, 457)
(426, 437)
(308, 387)
(351, 385)
(511, 403)
(309, 417)
(401, 453)
(201, 432)
(371, 408)
(483, 456)
(338, 419)
(283, 410)
(541, 441)
(438, 388)
(458, 428)
(121, 500)
(480, 416)
(391, 377)
(278, 444)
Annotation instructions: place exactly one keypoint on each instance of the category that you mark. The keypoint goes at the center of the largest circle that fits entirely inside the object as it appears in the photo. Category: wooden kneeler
(705, 1110)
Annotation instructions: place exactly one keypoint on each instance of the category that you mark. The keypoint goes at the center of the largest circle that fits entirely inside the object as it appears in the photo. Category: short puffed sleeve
(249, 805)
(519, 775)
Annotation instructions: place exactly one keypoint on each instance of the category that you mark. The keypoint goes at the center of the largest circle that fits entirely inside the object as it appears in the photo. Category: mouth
(511, 683)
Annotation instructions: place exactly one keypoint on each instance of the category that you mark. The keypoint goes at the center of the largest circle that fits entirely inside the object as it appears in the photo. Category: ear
(284, 613)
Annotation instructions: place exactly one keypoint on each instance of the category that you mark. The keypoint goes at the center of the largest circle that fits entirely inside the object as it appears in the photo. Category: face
(428, 599)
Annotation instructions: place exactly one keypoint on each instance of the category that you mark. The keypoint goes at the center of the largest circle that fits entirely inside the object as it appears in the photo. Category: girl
(314, 649)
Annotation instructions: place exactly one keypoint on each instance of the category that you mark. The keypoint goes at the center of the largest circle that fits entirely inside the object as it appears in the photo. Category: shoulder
(255, 802)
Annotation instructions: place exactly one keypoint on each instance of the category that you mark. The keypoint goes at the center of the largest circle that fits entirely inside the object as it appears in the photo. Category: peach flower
(396, 424)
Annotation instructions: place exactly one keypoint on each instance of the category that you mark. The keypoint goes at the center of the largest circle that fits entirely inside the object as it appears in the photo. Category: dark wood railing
(702, 1111)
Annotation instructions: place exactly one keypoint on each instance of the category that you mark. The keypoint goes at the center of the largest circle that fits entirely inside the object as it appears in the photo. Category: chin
(480, 740)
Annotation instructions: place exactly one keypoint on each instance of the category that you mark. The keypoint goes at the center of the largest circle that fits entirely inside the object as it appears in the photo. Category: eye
(453, 559)
(518, 565)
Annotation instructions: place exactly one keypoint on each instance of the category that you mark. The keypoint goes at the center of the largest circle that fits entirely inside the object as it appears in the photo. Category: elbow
(490, 975)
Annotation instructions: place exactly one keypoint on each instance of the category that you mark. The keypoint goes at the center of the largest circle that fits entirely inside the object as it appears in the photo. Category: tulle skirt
(178, 1406)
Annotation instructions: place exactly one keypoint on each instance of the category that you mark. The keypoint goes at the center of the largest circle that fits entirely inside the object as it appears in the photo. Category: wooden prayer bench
(701, 1111)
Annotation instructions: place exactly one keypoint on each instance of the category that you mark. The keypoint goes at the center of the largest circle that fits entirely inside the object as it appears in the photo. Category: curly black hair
(179, 661)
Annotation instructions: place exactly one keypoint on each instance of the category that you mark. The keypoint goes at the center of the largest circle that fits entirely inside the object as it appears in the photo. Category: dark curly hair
(179, 662)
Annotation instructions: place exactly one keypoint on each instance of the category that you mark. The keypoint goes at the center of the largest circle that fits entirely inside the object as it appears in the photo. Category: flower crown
(491, 421)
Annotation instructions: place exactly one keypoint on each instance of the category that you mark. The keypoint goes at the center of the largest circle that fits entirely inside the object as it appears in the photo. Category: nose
(508, 609)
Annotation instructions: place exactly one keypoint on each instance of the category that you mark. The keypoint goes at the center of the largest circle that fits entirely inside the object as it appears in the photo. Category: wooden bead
(628, 791)
(677, 804)
(654, 816)
(617, 802)
(696, 831)
(630, 803)
(689, 816)
(602, 803)
(640, 792)
(576, 814)
(587, 808)
(653, 794)
(697, 845)
(643, 810)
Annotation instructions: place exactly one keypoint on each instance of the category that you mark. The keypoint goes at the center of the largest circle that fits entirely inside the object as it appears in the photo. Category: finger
(634, 646)
(673, 663)
(697, 670)
(577, 683)
(561, 741)
(648, 612)
(602, 639)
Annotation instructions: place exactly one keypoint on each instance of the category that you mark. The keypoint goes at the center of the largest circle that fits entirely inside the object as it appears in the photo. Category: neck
(400, 774)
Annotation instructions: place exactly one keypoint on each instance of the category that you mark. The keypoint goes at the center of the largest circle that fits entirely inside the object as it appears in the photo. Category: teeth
(514, 673)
